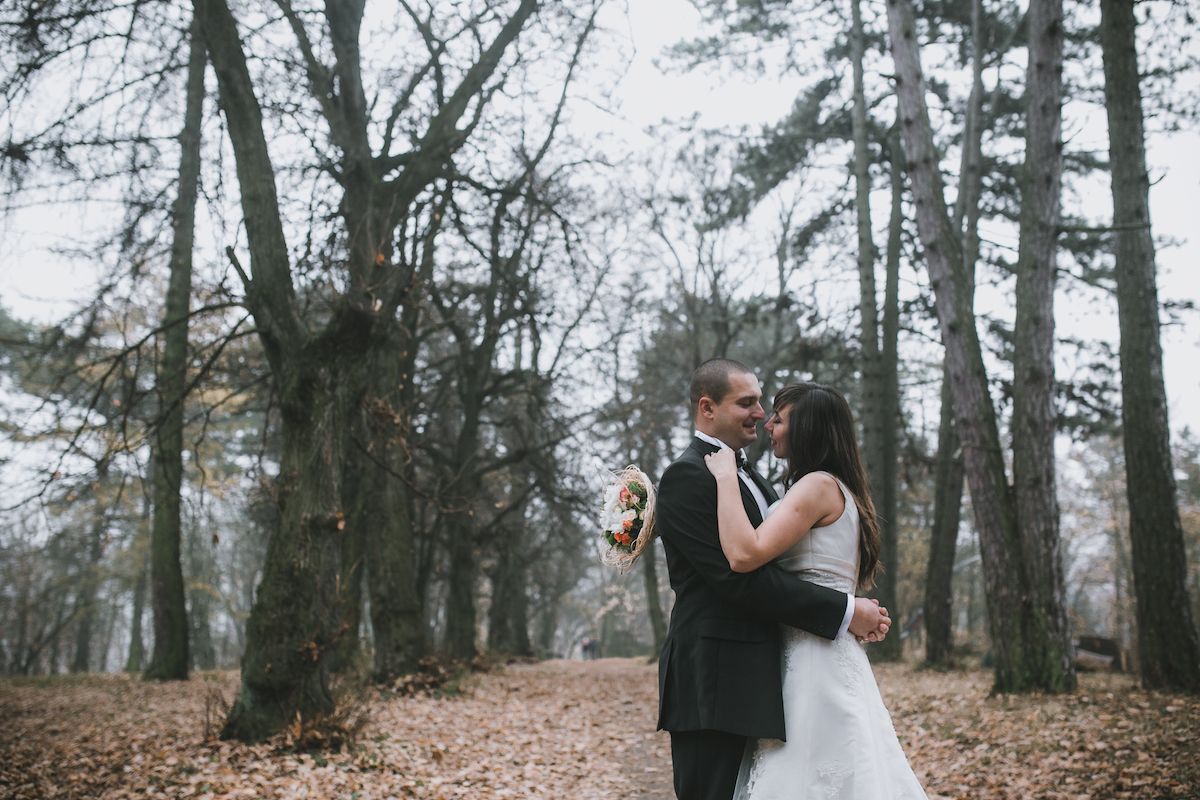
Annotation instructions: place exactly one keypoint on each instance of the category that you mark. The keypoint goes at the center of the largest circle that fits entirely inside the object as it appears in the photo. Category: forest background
(331, 379)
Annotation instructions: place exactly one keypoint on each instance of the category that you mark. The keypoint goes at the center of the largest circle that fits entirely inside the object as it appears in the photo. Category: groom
(719, 678)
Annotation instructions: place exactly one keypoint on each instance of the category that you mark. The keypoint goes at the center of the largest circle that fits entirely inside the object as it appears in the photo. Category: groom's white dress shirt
(761, 500)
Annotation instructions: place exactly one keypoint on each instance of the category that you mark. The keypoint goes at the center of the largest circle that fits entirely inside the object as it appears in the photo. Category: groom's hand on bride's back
(870, 622)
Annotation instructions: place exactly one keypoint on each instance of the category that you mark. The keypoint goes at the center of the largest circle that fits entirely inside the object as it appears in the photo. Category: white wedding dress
(840, 741)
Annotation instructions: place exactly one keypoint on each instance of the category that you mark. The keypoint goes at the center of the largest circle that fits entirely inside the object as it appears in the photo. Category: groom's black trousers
(706, 764)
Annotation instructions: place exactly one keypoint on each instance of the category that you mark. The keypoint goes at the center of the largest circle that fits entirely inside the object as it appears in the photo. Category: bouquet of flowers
(627, 519)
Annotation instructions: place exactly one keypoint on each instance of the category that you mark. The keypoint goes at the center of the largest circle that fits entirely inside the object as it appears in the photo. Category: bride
(840, 740)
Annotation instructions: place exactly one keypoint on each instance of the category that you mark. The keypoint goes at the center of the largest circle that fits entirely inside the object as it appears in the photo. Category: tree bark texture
(202, 571)
(170, 659)
(1050, 654)
(295, 621)
(943, 538)
(871, 412)
(345, 655)
(1006, 581)
(318, 374)
(89, 582)
(508, 616)
(464, 572)
(459, 523)
(870, 418)
(1168, 647)
(384, 512)
(137, 653)
(886, 486)
(948, 470)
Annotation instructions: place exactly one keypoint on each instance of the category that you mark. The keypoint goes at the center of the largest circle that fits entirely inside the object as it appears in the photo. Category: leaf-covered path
(572, 729)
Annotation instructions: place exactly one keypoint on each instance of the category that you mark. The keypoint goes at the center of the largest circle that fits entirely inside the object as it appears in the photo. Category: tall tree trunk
(137, 652)
(870, 418)
(547, 627)
(943, 538)
(948, 480)
(170, 658)
(458, 515)
(346, 649)
(141, 549)
(394, 555)
(316, 371)
(886, 487)
(20, 649)
(462, 491)
(873, 389)
(1017, 664)
(290, 634)
(294, 622)
(460, 599)
(111, 610)
(201, 649)
(508, 616)
(1122, 581)
(1168, 647)
(53, 657)
(428, 547)
(89, 584)
(391, 560)
(1050, 655)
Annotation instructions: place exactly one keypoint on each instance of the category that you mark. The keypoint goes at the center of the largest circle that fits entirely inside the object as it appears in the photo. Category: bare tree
(317, 370)
(1168, 646)
(1048, 655)
(170, 658)
(1026, 642)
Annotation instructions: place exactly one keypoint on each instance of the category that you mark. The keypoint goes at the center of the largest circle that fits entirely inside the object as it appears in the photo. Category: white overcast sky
(38, 285)
(647, 94)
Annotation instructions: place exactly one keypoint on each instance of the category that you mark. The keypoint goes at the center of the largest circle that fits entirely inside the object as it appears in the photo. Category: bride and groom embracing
(763, 683)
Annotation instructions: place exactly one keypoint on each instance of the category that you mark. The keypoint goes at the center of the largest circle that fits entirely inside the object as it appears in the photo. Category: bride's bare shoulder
(817, 483)
(819, 489)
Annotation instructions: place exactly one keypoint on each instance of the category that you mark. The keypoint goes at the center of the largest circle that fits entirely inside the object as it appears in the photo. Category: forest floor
(570, 729)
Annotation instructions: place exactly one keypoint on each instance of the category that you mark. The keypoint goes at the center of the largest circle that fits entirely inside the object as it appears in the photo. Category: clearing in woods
(578, 729)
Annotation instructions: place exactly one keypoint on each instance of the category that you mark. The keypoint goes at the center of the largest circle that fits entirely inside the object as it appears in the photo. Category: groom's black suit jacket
(719, 668)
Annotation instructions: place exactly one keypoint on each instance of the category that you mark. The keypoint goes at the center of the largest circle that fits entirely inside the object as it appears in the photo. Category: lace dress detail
(833, 777)
(849, 666)
(841, 744)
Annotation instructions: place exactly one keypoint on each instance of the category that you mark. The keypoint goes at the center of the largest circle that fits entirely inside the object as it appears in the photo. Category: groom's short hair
(711, 379)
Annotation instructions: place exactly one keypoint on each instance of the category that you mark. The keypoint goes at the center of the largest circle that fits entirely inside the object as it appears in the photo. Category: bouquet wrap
(627, 517)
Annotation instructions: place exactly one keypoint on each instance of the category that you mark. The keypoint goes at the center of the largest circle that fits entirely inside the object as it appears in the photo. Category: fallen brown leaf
(572, 729)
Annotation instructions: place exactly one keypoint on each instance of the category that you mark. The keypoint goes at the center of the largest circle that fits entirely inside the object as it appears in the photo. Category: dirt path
(570, 729)
(557, 729)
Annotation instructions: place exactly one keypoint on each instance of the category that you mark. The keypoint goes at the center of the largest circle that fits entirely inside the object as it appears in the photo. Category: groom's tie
(743, 465)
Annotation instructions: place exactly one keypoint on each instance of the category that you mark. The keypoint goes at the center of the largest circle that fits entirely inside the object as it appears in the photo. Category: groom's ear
(706, 407)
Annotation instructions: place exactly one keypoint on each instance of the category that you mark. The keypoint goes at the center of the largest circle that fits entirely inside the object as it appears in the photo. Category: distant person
(590, 648)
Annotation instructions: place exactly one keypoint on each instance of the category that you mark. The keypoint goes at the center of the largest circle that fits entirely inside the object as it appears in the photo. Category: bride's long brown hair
(821, 439)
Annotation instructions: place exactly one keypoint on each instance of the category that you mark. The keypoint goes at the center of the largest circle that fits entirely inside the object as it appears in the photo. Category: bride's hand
(721, 463)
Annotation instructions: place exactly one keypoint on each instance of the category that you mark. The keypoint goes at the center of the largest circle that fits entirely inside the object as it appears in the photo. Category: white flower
(612, 495)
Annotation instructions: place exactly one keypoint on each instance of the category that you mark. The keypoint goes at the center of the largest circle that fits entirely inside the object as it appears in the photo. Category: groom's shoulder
(692, 455)
(686, 464)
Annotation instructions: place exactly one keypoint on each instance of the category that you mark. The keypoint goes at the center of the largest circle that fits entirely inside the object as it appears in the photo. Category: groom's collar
(714, 441)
